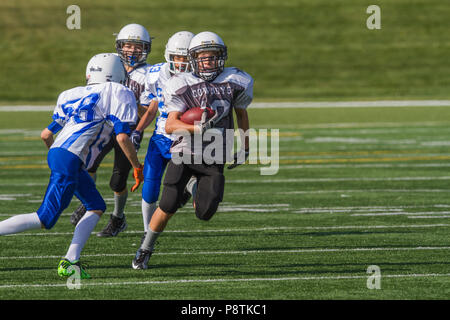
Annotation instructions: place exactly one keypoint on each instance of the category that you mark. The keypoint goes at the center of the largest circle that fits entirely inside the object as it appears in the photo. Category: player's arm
(141, 110)
(128, 148)
(243, 124)
(130, 152)
(174, 123)
(148, 116)
(47, 137)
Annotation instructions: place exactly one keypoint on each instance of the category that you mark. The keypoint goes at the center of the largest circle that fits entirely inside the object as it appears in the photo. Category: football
(195, 114)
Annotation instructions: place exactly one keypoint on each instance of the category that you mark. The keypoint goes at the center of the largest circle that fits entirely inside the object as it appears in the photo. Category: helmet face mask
(176, 52)
(179, 63)
(133, 53)
(133, 44)
(208, 62)
(207, 55)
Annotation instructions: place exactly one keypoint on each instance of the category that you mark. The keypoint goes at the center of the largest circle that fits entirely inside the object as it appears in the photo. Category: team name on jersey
(213, 89)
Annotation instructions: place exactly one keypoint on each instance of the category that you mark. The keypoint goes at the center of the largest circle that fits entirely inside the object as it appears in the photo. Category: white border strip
(290, 105)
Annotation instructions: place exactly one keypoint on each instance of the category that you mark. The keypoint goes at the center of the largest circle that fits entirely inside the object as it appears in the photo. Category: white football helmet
(136, 34)
(105, 67)
(178, 45)
(207, 41)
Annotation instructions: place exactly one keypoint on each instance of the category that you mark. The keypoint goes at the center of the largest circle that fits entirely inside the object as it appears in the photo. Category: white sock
(81, 234)
(20, 223)
(147, 212)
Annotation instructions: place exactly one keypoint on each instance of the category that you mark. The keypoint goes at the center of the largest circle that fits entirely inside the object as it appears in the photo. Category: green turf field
(356, 187)
(295, 49)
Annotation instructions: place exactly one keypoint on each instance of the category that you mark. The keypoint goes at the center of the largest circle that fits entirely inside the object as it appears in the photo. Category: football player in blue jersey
(158, 152)
(85, 118)
(133, 44)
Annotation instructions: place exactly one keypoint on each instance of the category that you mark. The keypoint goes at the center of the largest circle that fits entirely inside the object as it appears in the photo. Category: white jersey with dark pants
(85, 118)
(232, 88)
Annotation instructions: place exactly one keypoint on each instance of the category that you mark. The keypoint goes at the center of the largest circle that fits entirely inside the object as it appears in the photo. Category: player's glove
(239, 158)
(138, 175)
(207, 124)
(136, 137)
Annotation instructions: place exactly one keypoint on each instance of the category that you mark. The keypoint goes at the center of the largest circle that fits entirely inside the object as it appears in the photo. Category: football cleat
(114, 226)
(140, 261)
(77, 214)
(67, 268)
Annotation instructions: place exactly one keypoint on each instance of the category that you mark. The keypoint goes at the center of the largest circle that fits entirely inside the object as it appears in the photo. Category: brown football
(195, 114)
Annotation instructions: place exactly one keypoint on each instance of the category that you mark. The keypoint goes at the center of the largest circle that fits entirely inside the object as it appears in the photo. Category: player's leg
(210, 189)
(20, 223)
(175, 181)
(92, 170)
(189, 191)
(95, 206)
(118, 183)
(156, 159)
(64, 168)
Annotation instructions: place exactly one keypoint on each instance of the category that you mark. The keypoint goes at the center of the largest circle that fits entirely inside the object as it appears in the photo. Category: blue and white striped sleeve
(123, 111)
(60, 115)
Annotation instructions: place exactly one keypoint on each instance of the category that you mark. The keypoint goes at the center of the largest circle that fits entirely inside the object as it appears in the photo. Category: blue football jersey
(87, 117)
(157, 76)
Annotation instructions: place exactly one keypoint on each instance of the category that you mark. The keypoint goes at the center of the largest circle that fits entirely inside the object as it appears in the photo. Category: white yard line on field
(252, 229)
(269, 180)
(290, 105)
(239, 252)
(220, 280)
(399, 213)
(264, 180)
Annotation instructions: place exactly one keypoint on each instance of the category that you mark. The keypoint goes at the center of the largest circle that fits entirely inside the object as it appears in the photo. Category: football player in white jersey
(158, 152)
(133, 44)
(209, 85)
(85, 118)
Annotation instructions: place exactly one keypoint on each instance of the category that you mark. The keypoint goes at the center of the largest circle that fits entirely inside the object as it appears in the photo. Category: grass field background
(356, 187)
(295, 49)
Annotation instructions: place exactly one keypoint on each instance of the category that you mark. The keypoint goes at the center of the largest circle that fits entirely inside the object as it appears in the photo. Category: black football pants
(210, 188)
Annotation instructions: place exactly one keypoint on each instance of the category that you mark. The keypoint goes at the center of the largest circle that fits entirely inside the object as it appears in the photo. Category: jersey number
(85, 110)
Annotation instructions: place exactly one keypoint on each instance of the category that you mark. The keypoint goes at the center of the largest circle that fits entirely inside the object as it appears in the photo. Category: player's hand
(239, 158)
(138, 175)
(207, 124)
(136, 138)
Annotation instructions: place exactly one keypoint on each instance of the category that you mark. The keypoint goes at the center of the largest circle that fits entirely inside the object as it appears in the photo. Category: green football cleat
(67, 268)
